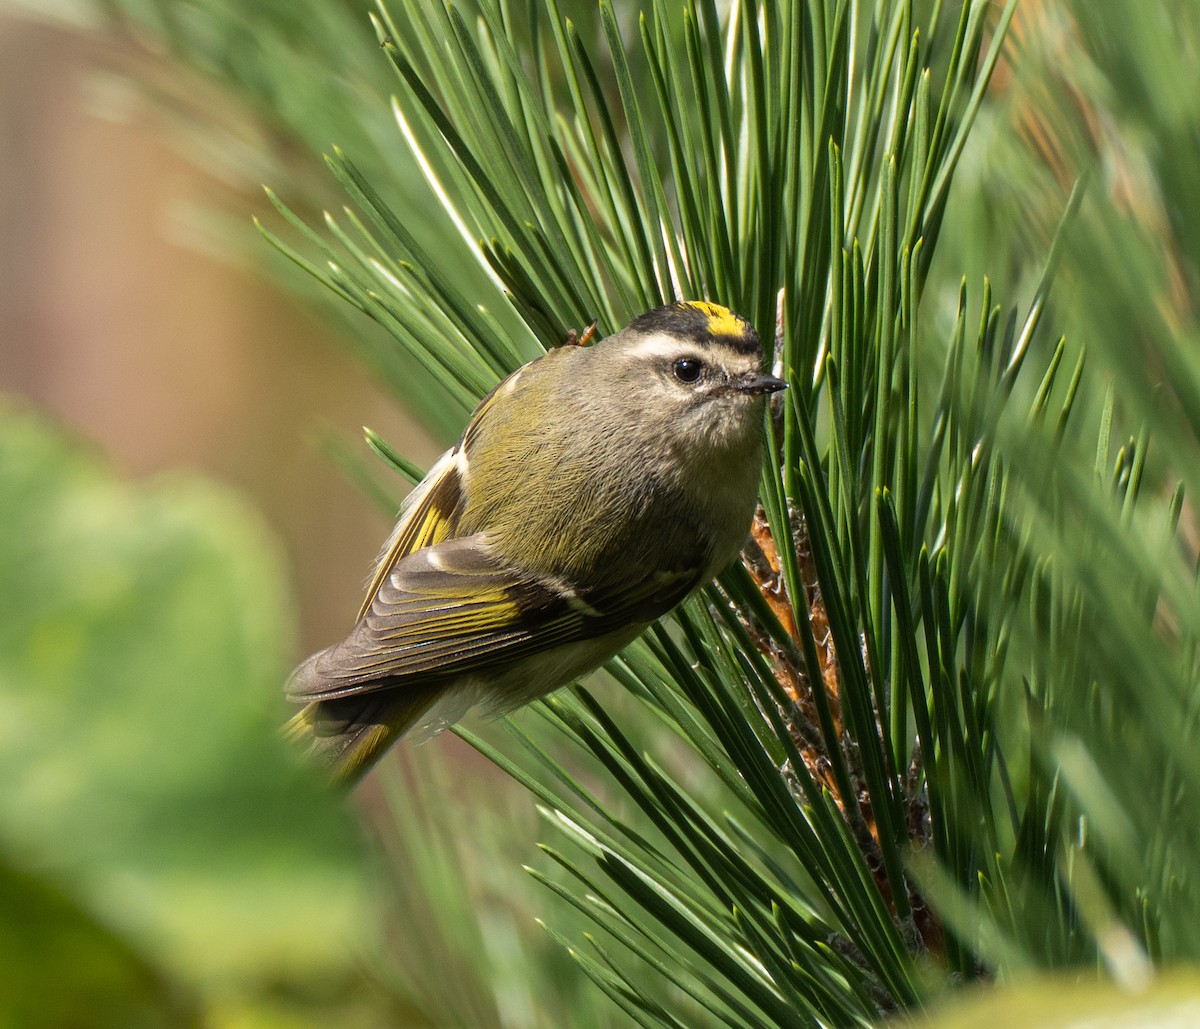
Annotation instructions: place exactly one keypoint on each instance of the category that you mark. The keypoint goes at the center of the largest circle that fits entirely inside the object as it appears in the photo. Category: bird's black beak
(756, 385)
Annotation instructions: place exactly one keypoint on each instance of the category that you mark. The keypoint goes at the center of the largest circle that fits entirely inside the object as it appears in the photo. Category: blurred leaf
(59, 966)
(1169, 1002)
(142, 639)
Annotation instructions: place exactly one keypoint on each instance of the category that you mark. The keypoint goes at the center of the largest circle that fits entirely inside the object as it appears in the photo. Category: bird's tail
(350, 734)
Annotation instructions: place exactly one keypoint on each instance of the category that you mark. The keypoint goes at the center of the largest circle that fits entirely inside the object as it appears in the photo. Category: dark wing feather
(453, 609)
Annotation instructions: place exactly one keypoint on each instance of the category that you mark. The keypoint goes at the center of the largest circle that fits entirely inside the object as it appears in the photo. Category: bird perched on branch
(592, 490)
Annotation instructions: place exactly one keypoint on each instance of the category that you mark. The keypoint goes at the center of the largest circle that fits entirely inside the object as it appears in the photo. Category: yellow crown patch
(721, 320)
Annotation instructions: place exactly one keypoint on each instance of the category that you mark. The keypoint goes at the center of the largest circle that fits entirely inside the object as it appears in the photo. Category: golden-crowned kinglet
(592, 491)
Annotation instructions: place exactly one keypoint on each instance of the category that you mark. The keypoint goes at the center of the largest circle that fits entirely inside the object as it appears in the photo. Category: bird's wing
(431, 512)
(453, 608)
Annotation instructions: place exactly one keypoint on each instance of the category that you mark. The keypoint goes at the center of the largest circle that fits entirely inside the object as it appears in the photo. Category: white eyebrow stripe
(663, 346)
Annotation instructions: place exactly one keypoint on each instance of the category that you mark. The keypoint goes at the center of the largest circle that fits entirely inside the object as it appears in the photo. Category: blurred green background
(173, 536)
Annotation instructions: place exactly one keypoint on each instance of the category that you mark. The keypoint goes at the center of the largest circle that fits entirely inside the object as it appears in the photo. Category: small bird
(592, 490)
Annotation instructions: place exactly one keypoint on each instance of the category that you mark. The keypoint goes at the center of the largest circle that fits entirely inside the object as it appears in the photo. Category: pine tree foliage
(794, 164)
(939, 723)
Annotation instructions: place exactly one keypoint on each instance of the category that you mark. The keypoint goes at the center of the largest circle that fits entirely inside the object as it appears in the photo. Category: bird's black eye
(687, 369)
